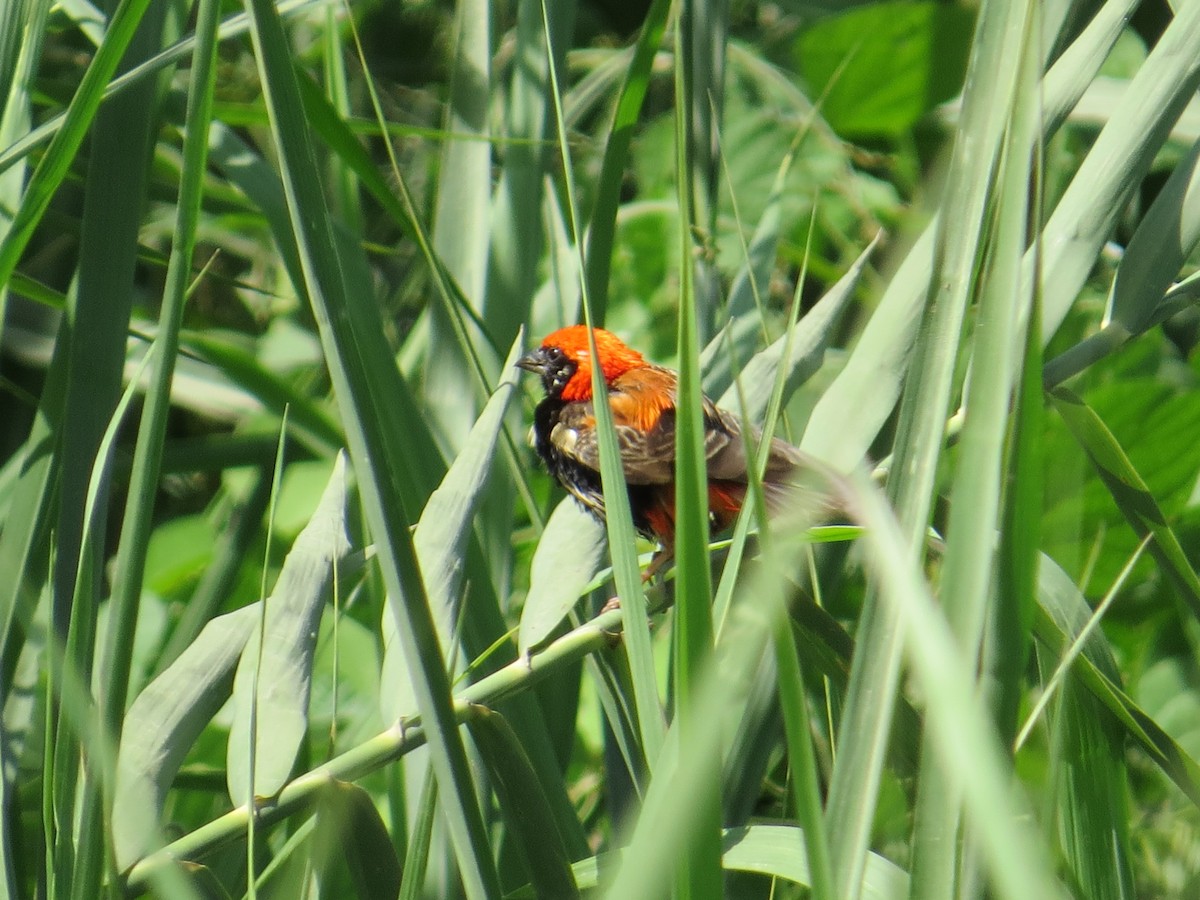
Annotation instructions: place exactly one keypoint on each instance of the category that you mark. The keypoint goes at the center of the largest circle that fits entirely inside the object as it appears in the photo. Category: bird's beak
(534, 361)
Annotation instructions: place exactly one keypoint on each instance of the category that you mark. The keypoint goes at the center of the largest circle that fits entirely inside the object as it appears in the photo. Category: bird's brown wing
(643, 407)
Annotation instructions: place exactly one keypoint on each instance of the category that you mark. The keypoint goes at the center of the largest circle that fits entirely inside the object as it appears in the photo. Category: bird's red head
(565, 363)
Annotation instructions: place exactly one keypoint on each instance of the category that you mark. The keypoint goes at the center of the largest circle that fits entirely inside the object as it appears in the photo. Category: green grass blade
(147, 460)
(519, 220)
(967, 574)
(807, 342)
(1165, 238)
(67, 140)
(1009, 641)
(965, 743)
(805, 776)
(1117, 162)
(461, 219)
(773, 850)
(618, 519)
(366, 384)
(603, 221)
(988, 95)
(698, 867)
(352, 852)
(871, 380)
(524, 805)
(441, 538)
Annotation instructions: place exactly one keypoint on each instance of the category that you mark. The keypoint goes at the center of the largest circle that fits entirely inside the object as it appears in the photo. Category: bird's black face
(554, 366)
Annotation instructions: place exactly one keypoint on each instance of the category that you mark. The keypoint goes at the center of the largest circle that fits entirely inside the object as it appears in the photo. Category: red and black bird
(642, 397)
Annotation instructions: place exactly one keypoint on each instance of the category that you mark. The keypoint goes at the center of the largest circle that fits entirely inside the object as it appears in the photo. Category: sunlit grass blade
(1165, 238)
(969, 562)
(964, 740)
(441, 538)
(871, 381)
(988, 96)
(808, 340)
(461, 218)
(366, 382)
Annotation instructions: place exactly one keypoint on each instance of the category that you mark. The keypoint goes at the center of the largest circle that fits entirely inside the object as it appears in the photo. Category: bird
(642, 397)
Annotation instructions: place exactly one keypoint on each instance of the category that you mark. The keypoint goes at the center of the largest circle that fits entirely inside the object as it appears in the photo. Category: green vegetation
(271, 538)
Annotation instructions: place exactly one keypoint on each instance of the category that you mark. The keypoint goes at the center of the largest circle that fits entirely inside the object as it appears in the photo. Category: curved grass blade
(1061, 616)
(1165, 239)
(1116, 164)
(698, 867)
(957, 250)
(603, 221)
(65, 144)
(1130, 493)
(970, 754)
(351, 849)
(806, 348)
(461, 217)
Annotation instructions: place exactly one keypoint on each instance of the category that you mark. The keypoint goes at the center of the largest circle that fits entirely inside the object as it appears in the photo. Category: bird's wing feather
(643, 407)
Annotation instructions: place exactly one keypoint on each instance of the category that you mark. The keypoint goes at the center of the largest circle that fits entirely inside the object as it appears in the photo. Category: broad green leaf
(164, 722)
(566, 561)
(773, 850)
(351, 847)
(441, 540)
(524, 805)
(883, 67)
(272, 686)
